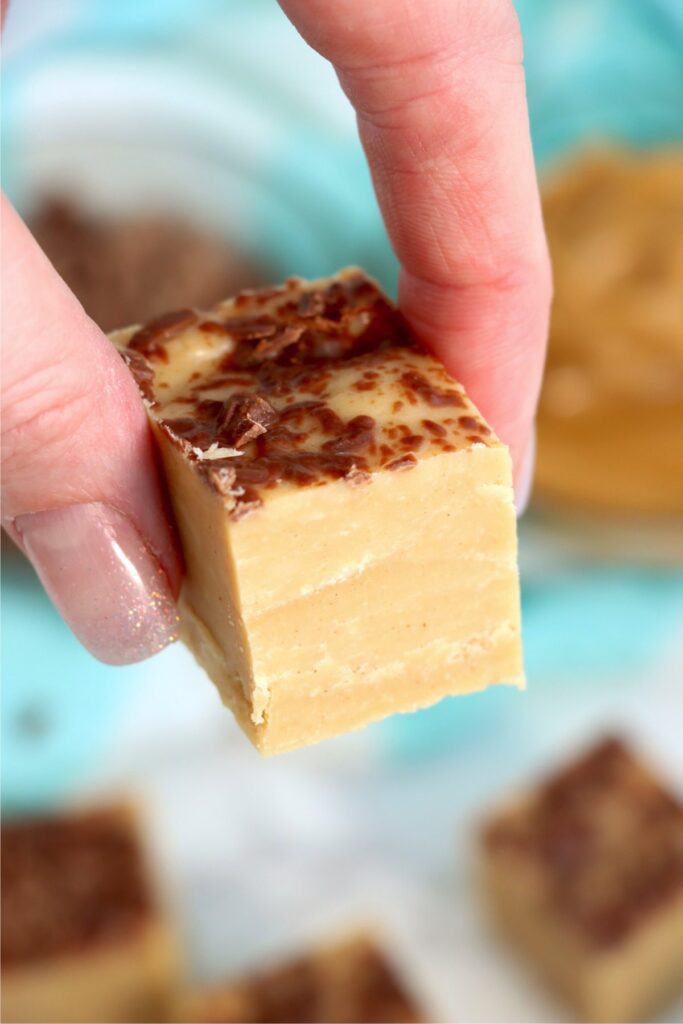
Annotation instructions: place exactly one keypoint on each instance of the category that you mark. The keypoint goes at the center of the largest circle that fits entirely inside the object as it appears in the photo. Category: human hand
(80, 490)
(439, 91)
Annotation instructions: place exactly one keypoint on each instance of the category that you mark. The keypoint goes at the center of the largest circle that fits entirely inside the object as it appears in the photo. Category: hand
(80, 491)
(439, 91)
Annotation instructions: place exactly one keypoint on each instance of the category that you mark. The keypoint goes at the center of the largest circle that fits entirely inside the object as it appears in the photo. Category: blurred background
(168, 152)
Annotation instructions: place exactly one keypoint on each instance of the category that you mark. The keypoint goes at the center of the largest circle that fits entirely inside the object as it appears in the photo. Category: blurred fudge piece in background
(585, 874)
(129, 269)
(82, 937)
(345, 982)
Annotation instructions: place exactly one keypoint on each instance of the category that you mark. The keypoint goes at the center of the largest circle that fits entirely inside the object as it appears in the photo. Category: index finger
(438, 88)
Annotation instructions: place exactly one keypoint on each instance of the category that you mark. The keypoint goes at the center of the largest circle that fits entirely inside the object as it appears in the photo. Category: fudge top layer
(297, 385)
(606, 841)
(69, 884)
(348, 982)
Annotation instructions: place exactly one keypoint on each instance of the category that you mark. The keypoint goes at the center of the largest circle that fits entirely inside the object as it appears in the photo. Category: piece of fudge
(585, 874)
(345, 513)
(82, 939)
(124, 268)
(347, 982)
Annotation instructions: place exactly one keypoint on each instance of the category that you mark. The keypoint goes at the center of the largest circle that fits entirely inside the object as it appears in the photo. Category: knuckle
(438, 57)
(42, 416)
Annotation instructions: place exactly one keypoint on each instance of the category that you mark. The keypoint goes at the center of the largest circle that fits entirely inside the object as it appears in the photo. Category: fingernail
(104, 580)
(525, 476)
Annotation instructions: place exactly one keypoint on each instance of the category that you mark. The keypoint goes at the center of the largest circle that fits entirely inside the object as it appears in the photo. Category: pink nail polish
(525, 477)
(104, 580)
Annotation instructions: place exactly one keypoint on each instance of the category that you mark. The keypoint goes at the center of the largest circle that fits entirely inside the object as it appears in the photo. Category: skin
(438, 88)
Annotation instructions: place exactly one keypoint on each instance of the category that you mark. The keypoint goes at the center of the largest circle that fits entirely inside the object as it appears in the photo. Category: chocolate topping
(416, 384)
(249, 328)
(344, 320)
(607, 840)
(69, 884)
(142, 372)
(279, 351)
(287, 993)
(243, 418)
(380, 997)
(150, 338)
(357, 986)
(273, 347)
(436, 429)
(311, 304)
(470, 423)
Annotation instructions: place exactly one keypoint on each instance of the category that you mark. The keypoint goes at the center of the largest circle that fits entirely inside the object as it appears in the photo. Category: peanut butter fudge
(129, 267)
(345, 512)
(585, 874)
(81, 937)
(348, 982)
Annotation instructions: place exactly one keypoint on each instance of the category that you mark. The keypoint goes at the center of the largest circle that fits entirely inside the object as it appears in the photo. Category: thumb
(80, 491)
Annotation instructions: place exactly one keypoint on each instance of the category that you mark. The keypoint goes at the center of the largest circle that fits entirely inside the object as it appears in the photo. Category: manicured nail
(104, 580)
(525, 476)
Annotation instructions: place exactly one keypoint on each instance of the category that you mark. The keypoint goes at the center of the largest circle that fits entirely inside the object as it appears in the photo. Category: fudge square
(345, 513)
(347, 981)
(82, 939)
(585, 874)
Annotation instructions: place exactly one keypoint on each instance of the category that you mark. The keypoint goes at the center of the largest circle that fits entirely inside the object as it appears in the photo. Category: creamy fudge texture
(347, 981)
(82, 939)
(346, 514)
(585, 875)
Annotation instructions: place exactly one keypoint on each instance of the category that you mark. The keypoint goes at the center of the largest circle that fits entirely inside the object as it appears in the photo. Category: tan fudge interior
(307, 637)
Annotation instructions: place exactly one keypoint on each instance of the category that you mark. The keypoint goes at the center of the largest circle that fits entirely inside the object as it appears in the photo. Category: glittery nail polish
(103, 578)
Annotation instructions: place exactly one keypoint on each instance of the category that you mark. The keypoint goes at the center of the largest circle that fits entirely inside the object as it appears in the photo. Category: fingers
(80, 491)
(438, 87)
